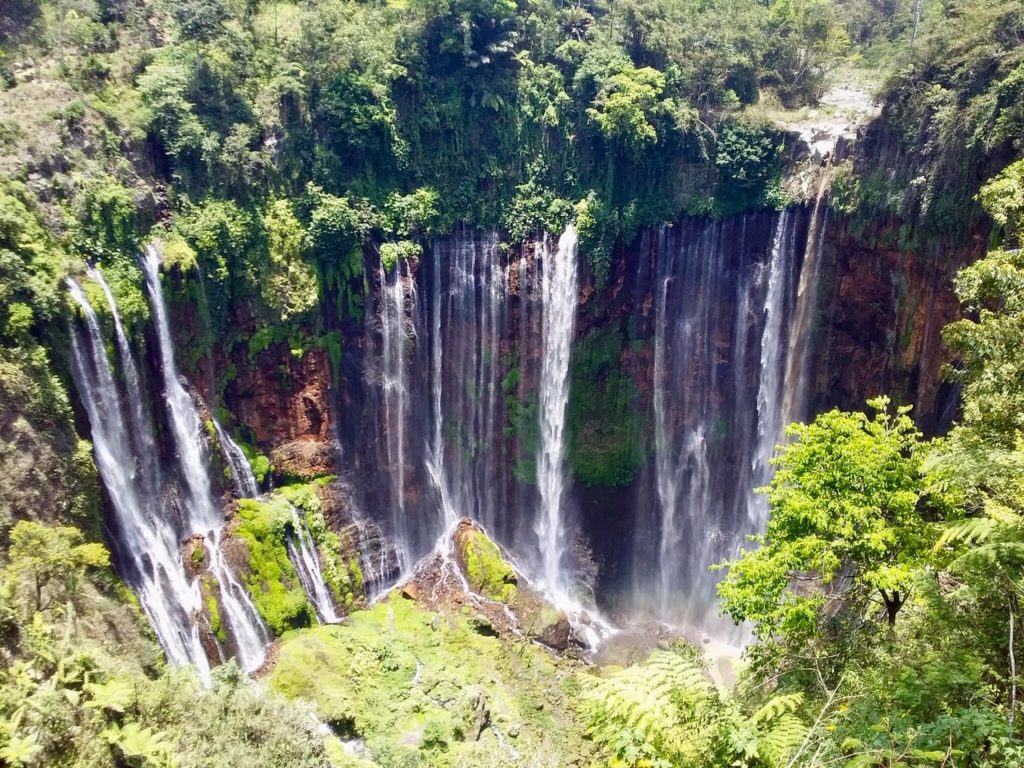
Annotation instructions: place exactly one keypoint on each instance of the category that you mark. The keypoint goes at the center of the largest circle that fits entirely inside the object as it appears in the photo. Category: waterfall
(377, 559)
(686, 409)
(394, 383)
(468, 322)
(670, 464)
(242, 476)
(799, 355)
(559, 296)
(724, 303)
(204, 519)
(435, 459)
(146, 541)
(770, 417)
(141, 426)
(303, 553)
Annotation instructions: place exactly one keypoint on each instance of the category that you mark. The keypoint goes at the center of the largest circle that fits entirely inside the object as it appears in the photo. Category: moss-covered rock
(487, 572)
(271, 578)
(607, 426)
(428, 690)
(339, 553)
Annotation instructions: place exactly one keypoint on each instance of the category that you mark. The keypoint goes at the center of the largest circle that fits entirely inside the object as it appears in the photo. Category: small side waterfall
(559, 315)
(798, 360)
(778, 303)
(242, 476)
(395, 331)
(204, 519)
(302, 551)
(146, 541)
(141, 426)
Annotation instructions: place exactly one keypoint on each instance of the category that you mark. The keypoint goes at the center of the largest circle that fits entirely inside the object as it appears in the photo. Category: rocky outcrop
(284, 401)
(468, 570)
(882, 310)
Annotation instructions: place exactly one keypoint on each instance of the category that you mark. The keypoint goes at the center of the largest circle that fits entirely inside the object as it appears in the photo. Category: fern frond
(778, 706)
(974, 530)
(783, 739)
(647, 700)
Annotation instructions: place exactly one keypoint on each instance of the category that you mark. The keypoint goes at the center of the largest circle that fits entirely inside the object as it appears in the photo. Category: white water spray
(204, 519)
(559, 314)
(242, 476)
(145, 535)
(302, 551)
(773, 365)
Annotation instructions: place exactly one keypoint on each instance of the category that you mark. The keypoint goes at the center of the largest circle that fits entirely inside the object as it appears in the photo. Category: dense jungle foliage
(268, 143)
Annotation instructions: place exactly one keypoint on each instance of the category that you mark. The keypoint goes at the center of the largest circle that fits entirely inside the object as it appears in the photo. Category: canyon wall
(425, 398)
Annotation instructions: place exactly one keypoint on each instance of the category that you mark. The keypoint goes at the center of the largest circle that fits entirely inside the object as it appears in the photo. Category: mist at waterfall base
(464, 390)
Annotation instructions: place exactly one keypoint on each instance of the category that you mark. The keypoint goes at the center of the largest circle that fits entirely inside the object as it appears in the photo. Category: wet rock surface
(469, 573)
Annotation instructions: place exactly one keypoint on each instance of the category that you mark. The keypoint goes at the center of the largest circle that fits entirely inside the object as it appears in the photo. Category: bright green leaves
(988, 344)
(290, 286)
(665, 712)
(844, 523)
(1003, 197)
(49, 563)
(627, 105)
(133, 741)
(30, 266)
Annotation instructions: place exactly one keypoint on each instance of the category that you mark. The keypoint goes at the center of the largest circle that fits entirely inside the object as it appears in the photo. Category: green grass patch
(409, 681)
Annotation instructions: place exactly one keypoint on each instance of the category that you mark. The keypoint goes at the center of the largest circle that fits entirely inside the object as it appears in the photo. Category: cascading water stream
(559, 296)
(770, 422)
(467, 320)
(302, 551)
(146, 539)
(435, 459)
(242, 476)
(799, 355)
(394, 356)
(142, 428)
(247, 628)
(684, 411)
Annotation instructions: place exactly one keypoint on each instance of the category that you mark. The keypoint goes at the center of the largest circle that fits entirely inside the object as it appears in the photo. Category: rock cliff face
(881, 314)
(289, 410)
(430, 411)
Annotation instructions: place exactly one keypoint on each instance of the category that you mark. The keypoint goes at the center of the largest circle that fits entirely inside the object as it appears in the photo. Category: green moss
(198, 554)
(392, 253)
(607, 427)
(521, 422)
(339, 559)
(488, 572)
(272, 580)
(259, 463)
(406, 681)
(210, 587)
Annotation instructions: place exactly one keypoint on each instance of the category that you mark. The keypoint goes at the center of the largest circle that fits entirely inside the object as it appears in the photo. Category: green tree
(290, 285)
(199, 20)
(844, 525)
(988, 340)
(627, 105)
(51, 561)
